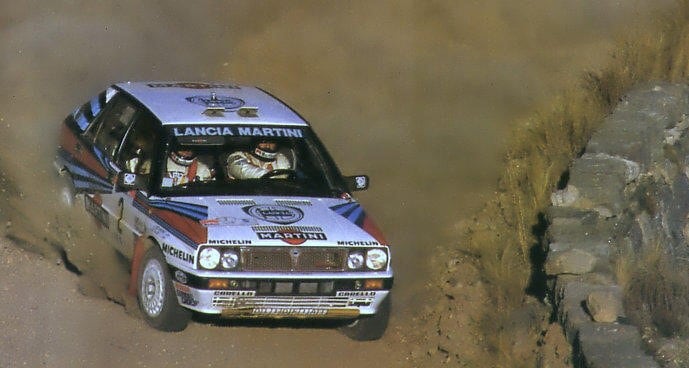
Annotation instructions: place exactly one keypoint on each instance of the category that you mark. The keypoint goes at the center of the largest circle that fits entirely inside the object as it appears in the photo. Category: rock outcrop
(629, 190)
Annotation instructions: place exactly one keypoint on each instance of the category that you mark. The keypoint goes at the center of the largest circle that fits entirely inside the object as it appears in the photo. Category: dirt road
(51, 324)
(419, 95)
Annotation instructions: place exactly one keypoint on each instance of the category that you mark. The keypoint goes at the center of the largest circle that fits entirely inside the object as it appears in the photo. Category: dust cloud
(420, 95)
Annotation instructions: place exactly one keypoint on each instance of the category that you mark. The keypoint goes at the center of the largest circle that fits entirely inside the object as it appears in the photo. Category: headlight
(209, 258)
(376, 259)
(355, 260)
(229, 259)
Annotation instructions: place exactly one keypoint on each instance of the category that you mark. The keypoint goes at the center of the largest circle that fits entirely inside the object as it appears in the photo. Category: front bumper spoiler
(246, 304)
(298, 313)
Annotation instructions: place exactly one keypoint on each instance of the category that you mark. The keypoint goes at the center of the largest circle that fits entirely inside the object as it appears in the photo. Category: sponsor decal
(275, 213)
(174, 252)
(289, 311)
(291, 236)
(181, 276)
(183, 288)
(234, 293)
(213, 100)
(270, 132)
(160, 232)
(93, 206)
(215, 130)
(356, 293)
(228, 242)
(191, 85)
(202, 131)
(357, 242)
(360, 181)
(228, 221)
(185, 296)
(129, 179)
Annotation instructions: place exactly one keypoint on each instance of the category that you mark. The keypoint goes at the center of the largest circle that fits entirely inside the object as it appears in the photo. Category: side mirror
(127, 181)
(357, 182)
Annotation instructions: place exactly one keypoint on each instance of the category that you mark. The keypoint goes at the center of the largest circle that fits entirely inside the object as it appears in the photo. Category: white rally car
(226, 203)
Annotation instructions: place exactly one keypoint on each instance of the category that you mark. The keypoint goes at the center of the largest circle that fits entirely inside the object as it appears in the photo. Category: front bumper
(340, 304)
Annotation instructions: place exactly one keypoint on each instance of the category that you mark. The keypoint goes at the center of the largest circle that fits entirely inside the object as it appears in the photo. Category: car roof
(189, 102)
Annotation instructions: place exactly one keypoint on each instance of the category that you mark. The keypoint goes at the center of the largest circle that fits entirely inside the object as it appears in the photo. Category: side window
(84, 114)
(113, 125)
(140, 145)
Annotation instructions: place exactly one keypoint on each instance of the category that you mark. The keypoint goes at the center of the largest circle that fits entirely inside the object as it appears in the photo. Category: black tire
(370, 328)
(156, 294)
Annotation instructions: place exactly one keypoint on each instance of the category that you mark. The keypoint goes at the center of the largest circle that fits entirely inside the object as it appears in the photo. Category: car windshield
(261, 161)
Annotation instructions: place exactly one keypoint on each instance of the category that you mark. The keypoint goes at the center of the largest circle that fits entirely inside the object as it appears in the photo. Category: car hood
(270, 221)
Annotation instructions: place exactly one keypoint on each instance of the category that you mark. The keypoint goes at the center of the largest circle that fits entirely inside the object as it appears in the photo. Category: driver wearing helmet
(255, 164)
(184, 167)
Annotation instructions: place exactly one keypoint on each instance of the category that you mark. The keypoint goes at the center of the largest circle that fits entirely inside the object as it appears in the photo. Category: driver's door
(135, 157)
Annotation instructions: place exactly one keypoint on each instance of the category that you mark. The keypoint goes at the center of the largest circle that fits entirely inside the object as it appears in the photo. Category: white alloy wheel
(156, 294)
(153, 288)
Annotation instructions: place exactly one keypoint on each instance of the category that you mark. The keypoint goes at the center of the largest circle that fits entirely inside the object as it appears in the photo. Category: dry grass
(656, 291)
(501, 235)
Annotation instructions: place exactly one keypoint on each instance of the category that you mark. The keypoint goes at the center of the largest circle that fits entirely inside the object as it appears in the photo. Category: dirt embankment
(505, 238)
(421, 96)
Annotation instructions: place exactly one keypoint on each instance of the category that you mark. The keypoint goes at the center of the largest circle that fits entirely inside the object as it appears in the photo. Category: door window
(140, 145)
(113, 125)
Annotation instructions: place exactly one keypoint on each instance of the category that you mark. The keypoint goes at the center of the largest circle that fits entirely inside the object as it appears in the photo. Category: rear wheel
(157, 299)
(370, 327)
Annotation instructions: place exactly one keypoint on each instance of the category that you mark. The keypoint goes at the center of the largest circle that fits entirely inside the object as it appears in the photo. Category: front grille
(293, 259)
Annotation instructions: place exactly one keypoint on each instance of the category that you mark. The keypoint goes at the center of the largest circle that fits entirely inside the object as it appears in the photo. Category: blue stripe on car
(141, 207)
(193, 211)
(83, 178)
(351, 211)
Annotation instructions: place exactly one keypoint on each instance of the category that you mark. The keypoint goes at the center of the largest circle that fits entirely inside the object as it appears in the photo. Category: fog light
(373, 284)
(218, 283)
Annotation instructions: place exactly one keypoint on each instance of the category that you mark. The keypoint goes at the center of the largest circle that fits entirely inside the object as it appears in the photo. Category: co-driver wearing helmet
(255, 164)
(184, 167)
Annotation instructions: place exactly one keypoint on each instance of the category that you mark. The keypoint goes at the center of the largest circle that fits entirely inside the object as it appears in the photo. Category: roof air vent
(248, 112)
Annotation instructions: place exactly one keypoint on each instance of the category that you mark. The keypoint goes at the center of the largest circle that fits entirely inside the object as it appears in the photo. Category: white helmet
(182, 157)
(265, 153)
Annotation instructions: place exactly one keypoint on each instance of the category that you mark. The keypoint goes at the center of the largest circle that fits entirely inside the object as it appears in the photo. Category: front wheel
(370, 328)
(156, 295)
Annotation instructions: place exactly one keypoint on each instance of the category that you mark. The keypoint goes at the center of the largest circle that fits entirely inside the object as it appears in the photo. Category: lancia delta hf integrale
(226, 203)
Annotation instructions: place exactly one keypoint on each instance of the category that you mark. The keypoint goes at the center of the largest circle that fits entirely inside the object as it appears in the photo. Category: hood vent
(236, 202)
(293, 202)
